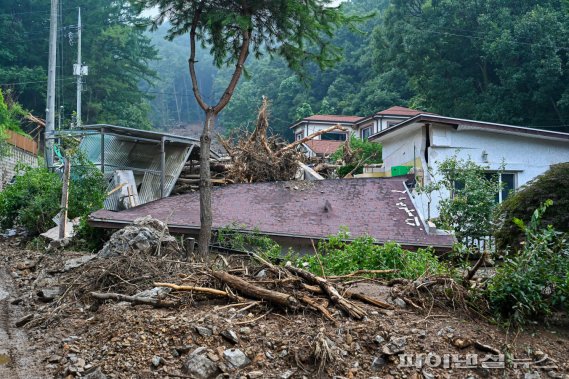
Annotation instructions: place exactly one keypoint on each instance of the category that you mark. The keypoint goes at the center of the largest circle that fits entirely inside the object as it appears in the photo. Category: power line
(33, 82)
(485, 37)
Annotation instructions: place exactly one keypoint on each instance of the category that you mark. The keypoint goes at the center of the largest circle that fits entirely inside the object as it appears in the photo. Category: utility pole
(79, 70)
(50, 109)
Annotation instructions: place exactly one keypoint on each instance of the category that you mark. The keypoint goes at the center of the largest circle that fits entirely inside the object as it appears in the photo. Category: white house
(421, 142)
(361, 127)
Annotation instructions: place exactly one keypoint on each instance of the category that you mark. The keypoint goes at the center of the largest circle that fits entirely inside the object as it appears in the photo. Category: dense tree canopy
(114, 48)
(491, 60)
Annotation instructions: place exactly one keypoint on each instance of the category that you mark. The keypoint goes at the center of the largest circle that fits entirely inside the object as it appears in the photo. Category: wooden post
(162, 166)
(64, 199)
(189, 245)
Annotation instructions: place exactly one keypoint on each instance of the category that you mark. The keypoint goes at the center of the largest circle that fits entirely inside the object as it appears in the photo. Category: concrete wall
(9, 161)
(526, 156)
(312, 127)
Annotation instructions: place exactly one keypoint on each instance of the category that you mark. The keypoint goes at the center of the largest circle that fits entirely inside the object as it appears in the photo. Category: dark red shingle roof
(374, 206)
(323, 147)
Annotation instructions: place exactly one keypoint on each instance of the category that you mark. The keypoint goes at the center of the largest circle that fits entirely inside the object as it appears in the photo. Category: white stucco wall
(527, 156)
(312, 127)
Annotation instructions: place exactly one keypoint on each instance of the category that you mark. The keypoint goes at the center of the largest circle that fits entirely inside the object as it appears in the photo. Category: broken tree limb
(368, 299)
(310, 137)
(353, 295)
(312, 303)
(134, 299)
(256, 292)
(347, 306)
(474, 269)
(209, 291)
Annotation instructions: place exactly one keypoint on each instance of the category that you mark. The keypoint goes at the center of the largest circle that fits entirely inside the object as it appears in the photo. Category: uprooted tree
(297, 30)
(258, 157)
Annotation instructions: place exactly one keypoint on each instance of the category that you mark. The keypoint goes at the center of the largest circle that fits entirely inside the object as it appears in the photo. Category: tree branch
(244, 53)
(192, 61)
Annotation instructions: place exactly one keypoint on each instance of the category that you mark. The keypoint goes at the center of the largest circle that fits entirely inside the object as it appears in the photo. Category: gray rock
(395, 345)
(287, 374)
(203, 331)
(49, 294)
(245, 330)
(261, 274)
(427, 375)
(199, 366)
(379, 339)
(378, 363)
(157, 361)
(70, 264)
(255, 374)
(230, 336)
(94, 373)
(400, 302)
(236, 358)
(156, 292)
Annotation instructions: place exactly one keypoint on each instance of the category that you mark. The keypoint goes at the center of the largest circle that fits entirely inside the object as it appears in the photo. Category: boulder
(199, 366)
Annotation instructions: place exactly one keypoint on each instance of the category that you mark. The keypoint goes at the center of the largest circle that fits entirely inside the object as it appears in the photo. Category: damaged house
(297, 213)
(140, 165)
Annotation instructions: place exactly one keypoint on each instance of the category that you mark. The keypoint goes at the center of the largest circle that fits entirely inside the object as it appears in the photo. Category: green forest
(500, 61)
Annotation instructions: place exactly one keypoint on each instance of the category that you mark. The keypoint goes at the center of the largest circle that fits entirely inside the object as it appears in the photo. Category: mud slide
(18, 359)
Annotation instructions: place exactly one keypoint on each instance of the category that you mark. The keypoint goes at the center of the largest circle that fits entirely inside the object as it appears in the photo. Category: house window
(391, 123)
(334, 136)
(365, 133)
(507, 180)
(299, 136)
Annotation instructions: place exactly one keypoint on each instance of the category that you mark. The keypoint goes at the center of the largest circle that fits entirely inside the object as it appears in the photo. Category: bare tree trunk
(205, 186)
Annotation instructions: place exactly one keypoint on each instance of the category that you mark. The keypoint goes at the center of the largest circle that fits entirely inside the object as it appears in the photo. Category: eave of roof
(504, 128)
(346, 120)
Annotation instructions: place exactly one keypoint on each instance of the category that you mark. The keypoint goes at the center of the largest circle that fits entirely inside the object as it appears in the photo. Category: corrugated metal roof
(117, 148)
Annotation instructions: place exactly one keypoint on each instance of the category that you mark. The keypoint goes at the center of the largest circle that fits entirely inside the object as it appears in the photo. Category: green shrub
(364, 152)
(31, 201)
(471, 202)
(554, 185)
(534, 282)
(230, 237)
(35, 196)
(337, 256)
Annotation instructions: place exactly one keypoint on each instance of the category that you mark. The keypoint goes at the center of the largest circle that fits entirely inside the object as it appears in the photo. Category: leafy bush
(471, 202)
(554, 185)
(34, 197)
(339, 257)
(31, 201)
(535, 282)
(364, 152)
(231, 238)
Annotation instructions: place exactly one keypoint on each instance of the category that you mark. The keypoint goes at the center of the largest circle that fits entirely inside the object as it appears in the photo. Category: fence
(22, 142)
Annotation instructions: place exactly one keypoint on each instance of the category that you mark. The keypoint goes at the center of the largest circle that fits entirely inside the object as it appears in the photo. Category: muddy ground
(70, 336)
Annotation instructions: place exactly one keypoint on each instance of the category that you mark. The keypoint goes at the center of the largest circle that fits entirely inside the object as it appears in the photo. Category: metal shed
(155, 159)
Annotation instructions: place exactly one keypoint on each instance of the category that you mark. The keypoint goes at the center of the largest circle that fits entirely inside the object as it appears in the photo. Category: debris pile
(253, 157)
(146, 236)
(241, 316)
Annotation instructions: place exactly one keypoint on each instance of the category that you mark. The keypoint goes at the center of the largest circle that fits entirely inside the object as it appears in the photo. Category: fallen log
(474, 269)
(312, 303)
(159, 303)
(256, 292)
(206, 290)
(353, 295)
(310, 137)
(347, 306)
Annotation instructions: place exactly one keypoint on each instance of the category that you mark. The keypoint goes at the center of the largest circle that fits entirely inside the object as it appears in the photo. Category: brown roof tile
(323, 147)
(332, 118)
(366, 206)
(401, 111)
